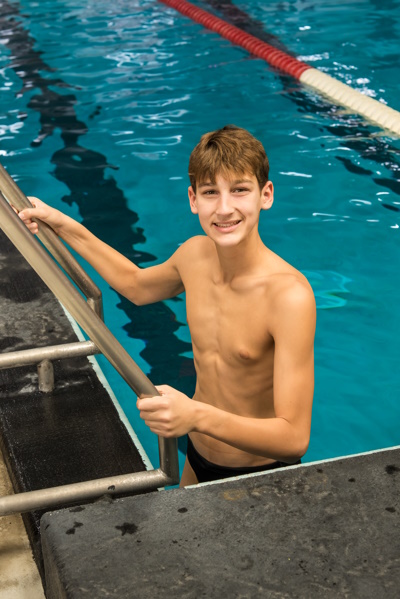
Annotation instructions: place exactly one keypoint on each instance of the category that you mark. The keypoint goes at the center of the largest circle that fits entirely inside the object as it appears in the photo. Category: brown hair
(228, 150)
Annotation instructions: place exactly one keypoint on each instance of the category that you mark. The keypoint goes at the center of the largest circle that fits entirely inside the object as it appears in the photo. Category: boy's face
(229, 209)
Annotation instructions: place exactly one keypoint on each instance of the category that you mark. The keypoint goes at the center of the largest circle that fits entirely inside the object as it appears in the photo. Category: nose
(224, 205)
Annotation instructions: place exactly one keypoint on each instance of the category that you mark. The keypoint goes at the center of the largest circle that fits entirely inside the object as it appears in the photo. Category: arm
(141, 286)
(284, 437)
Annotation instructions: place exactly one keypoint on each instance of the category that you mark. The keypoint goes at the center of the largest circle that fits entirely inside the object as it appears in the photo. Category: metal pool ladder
(89, 316)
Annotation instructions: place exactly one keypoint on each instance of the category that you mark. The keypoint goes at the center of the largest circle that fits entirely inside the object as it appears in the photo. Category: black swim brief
(206, 471)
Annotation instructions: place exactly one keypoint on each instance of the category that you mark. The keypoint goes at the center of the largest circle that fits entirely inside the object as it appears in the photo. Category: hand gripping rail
(91, 323)
(14, 195)
(43, 356)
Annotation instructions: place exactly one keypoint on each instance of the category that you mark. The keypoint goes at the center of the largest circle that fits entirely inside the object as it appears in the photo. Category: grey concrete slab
(324, 530)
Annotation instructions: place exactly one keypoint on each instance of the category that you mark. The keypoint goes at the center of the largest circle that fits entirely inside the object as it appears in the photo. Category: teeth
(227, 224)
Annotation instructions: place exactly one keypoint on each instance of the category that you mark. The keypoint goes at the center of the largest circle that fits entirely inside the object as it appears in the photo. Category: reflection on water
(328, 286)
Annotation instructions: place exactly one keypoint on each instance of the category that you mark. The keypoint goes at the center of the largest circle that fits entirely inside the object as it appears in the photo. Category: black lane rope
(83, 171)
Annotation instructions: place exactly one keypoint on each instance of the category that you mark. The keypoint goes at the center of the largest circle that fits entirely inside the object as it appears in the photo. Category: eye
(241, 189)
(209, 192)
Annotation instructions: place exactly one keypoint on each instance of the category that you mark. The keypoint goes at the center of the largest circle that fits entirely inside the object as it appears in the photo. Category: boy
(251, 316)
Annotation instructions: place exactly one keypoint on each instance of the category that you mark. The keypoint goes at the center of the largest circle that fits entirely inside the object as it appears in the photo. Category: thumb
(162, 389)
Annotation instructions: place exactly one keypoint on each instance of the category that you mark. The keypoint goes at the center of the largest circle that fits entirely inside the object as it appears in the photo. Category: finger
(159, 433)
(162, 433)
(148, 404)
(33, 228)
(140, 403)
(27, 214)
(32, 225)
(34, 201)
(158, 429)
(151, 421)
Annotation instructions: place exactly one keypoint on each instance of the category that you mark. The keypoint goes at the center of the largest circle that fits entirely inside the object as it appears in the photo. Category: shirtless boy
(251, 317)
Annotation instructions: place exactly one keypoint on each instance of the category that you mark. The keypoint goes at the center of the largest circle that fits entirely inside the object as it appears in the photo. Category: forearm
(274, 438)
(140, 286)
(117, 270)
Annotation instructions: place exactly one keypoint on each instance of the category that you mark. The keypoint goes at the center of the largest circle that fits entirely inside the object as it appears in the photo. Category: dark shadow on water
(96, 193)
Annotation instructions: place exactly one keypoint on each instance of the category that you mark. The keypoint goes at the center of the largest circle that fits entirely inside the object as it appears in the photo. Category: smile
(227, 226)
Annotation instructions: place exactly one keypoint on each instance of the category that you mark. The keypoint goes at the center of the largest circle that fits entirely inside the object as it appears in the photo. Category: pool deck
(325, 530)
(19, 576)
(329, 529)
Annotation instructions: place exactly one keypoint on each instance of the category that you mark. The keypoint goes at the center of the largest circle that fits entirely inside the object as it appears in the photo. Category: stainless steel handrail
(91, 323)
(84, 491)
(51, 352)
(50, 240)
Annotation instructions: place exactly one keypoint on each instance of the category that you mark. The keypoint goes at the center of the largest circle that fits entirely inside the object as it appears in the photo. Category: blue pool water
(101, 104)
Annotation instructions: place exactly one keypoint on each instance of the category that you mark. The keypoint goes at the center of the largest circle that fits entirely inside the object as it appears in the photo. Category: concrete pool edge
(328, 529)
(304, 465)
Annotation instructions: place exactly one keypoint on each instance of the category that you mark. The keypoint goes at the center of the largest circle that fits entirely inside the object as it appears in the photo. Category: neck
(240, 260)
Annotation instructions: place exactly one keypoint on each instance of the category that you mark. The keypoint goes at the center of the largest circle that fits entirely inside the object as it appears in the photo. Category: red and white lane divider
(338, 92)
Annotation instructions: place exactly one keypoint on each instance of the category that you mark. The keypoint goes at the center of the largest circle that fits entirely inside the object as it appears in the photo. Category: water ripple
(151, 142)
(156, 119)
(327, 286)
(294, 174)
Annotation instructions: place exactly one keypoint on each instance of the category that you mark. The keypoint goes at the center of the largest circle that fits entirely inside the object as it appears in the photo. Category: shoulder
(291, 290)
(287, 286)
(292, 301)
(192, 256)
(195, 248)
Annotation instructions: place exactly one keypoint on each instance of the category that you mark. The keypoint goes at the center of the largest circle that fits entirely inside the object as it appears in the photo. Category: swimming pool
(101, 106)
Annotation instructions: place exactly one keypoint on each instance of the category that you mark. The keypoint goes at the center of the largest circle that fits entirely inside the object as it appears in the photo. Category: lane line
(336, 91)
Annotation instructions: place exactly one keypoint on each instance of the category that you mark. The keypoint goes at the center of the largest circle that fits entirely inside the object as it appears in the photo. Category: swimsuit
(206, 471)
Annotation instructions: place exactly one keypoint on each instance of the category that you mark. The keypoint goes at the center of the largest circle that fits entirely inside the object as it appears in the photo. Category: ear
(267, 196)
(192, 200)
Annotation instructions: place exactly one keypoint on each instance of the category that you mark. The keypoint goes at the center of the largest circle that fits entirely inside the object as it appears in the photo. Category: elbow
(132, 291)
(130, 295)
(295, 457)
(297, 450)
(135, 299)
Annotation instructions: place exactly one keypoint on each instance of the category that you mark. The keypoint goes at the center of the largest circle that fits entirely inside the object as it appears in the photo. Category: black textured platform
(70, 435)
(328, 530)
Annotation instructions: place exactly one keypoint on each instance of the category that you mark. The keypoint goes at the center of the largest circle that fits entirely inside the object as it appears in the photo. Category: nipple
(244, 354)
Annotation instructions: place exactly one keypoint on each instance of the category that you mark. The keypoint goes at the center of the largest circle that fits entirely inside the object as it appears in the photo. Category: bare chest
(229, 325)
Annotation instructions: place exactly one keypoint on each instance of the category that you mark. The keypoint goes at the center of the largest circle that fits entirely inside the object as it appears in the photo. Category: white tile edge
(285, 468)
(103, 380)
